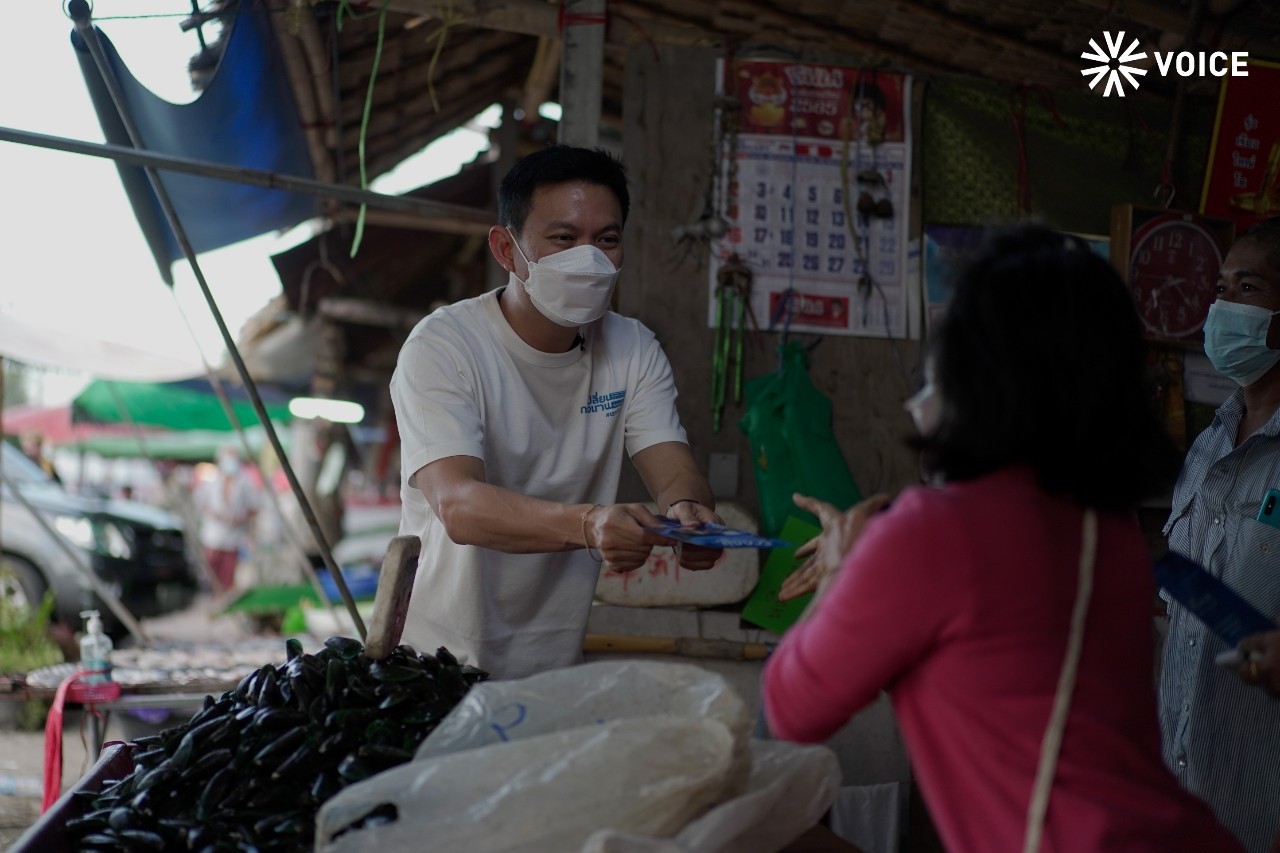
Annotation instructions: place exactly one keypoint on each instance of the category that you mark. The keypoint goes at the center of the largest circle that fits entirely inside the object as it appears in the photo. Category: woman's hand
(827, 550)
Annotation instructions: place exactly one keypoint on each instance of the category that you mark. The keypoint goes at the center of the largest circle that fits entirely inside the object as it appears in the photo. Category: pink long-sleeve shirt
(957, 601)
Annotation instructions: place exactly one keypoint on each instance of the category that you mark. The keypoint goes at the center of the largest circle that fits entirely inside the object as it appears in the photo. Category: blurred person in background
(228, 505)
(33, 447)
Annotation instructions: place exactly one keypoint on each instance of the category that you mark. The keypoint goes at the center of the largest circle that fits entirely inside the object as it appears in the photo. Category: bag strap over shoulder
(1052, 742)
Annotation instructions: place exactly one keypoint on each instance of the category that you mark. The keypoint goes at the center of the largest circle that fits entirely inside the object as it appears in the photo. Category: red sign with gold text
(1242, 181)
(823, 101)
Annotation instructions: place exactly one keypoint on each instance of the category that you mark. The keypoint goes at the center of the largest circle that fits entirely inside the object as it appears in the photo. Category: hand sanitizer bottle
(95, 650)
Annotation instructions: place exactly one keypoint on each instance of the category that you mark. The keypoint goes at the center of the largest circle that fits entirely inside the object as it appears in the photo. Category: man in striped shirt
(1221, 733)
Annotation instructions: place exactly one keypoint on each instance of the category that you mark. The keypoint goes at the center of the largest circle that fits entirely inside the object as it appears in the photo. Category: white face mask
(570, 288)
(925, 406)
(228, 465)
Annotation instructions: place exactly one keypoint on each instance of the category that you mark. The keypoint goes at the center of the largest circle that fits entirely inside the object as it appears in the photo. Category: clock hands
(1174, 282)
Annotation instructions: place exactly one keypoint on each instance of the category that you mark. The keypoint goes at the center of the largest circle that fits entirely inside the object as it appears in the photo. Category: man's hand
(618, 532)
(1262, 661)
(827, 550)
(695, 558)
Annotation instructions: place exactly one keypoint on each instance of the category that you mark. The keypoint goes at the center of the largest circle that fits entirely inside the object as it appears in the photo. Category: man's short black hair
(558, 164)
(1266, 232)
(1040, 362)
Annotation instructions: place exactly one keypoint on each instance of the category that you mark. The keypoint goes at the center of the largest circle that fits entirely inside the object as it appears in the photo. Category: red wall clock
(1170, 261)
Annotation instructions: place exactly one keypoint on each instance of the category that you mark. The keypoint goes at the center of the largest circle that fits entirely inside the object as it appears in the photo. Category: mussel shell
(345, 647)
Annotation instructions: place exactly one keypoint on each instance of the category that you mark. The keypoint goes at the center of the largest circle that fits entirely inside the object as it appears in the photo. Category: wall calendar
(814, 187)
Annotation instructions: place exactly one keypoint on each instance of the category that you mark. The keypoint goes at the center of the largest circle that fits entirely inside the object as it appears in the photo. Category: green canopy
(187, 445)
(187, 405)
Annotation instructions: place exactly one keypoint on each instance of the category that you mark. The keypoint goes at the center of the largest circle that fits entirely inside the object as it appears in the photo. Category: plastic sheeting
(246, 117)
(44, 346)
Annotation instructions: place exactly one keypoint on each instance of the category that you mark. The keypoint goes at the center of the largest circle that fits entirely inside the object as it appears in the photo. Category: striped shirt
(1222, 736)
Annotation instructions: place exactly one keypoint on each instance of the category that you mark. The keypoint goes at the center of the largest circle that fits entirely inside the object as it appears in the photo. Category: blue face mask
(1235, 339)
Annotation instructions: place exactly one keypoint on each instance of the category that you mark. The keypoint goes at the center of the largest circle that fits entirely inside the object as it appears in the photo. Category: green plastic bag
(793, 450)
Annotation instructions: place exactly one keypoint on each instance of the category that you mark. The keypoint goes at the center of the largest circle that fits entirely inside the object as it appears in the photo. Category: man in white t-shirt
(515, 409)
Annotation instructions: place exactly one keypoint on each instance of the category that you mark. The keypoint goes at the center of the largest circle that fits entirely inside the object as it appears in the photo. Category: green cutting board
(763, 607)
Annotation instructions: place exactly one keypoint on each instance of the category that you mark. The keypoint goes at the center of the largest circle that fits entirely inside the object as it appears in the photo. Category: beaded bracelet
(597, 556)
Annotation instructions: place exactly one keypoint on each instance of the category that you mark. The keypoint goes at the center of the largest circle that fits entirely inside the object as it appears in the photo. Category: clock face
(1173, 273)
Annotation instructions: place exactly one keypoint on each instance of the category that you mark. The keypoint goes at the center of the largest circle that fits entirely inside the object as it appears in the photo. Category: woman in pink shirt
(1018, 583)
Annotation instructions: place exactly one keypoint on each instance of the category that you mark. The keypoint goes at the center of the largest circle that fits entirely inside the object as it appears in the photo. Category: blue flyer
(1212, 601)
(715, 536)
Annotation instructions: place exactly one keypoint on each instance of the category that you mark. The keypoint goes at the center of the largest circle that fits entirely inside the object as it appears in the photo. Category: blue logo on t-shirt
(608, 403)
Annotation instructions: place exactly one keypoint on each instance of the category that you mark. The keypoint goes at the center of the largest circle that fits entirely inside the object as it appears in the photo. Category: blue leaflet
(1216, 604)
(715, 536)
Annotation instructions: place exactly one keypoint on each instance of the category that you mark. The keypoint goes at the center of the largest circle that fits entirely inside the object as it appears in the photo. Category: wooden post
(508, 138)
(582, 72)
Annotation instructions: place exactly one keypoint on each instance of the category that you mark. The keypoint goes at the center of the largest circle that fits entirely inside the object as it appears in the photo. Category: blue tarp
(245, 117)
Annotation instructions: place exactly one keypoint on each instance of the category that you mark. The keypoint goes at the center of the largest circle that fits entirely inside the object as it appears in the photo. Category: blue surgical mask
(1235, 339)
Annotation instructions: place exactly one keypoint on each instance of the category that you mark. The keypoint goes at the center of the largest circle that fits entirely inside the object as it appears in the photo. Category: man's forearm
(489, 516)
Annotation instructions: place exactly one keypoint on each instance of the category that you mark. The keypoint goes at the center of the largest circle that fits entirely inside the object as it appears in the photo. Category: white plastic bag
(590, 694)
(791, 787)
(645, 775)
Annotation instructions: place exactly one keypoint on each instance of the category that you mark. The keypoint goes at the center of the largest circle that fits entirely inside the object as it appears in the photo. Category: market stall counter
(171, 675)
(340, 752)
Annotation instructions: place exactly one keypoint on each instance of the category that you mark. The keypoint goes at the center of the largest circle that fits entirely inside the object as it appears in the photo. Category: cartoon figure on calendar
(768, 97)
(873, 118)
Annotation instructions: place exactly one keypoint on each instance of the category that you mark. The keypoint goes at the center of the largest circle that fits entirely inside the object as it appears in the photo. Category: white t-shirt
(548, 425)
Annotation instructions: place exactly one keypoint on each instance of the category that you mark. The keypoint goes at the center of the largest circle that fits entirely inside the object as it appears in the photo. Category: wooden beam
(964, 25)
(543, 74)
(439, 224)
(366, 312)
(1177, 21)
(530, 17)
(581, 72)
(310, 110)
(542, 19)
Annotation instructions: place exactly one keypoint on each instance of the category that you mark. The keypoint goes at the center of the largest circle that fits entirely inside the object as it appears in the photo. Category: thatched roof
(491, 50)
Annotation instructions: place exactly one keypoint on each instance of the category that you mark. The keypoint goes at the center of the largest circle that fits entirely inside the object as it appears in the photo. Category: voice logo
(1118, 67)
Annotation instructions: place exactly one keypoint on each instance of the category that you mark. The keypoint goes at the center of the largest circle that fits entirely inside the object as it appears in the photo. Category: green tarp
(186, 445)
(187, 405)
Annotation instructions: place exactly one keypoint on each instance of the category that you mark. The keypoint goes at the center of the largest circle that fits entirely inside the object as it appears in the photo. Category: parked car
(137, 551)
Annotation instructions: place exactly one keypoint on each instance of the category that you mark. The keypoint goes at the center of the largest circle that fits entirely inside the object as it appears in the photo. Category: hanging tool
(733, 292)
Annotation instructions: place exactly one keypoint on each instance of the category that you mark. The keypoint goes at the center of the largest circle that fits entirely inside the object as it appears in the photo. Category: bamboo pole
(445, 216)
(81, 13)
(682, 646)
(581, 72)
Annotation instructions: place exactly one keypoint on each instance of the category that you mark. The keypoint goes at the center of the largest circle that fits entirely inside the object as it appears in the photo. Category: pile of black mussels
(250, 770)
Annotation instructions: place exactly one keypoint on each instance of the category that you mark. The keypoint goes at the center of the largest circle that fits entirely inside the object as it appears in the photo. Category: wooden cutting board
(391, 601)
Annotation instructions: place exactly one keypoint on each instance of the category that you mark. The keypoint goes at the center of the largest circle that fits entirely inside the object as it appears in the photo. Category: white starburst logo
(1105, 69)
